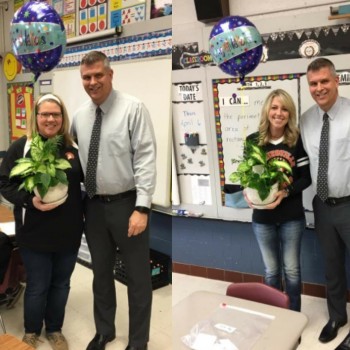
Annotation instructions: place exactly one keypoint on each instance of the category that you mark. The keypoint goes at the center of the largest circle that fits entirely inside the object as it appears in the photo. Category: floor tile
(79, 326)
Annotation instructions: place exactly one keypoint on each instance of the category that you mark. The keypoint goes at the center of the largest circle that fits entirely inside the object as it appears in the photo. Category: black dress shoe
(345, 344)
(130, 347)
(99, 342)
(330, 331)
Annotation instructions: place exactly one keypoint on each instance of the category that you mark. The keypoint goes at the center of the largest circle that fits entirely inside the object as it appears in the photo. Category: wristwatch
(143, 210)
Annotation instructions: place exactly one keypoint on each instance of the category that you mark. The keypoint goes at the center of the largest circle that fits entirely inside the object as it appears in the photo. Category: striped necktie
(322, 175)
(90, 178)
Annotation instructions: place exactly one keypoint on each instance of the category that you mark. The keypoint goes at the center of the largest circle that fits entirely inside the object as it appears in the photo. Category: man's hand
(137, 223)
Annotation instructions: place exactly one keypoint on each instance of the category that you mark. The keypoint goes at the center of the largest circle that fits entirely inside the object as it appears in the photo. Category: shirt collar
(333, 111)
(107, 104)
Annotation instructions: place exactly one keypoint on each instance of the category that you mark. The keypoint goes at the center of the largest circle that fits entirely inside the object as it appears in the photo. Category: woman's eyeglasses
(47, 115)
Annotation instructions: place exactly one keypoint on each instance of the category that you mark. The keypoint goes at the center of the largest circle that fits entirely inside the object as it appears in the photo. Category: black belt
(114, 197)
(336, 201)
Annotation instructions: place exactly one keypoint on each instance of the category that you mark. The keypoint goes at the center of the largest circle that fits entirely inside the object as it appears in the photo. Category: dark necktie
(322, 176)
(90, 179)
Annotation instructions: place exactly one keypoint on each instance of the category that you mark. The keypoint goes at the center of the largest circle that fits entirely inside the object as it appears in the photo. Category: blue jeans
(280, 249)
(48, 285)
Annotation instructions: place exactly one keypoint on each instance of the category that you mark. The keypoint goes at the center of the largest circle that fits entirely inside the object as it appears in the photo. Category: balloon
(236, 46)
(38, 37)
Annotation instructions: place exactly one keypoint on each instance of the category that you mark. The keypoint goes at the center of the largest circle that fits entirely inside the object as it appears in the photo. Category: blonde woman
(279, 226)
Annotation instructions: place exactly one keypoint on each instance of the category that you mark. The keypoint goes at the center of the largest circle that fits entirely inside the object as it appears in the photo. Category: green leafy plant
(255, 171)
(44, 169)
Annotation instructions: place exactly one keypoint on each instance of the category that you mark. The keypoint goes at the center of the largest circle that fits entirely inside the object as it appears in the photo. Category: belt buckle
(332, 201)
(103, 198)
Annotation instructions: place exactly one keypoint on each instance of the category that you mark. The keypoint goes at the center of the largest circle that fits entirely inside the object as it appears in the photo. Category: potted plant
(43, 173)
(260, 177)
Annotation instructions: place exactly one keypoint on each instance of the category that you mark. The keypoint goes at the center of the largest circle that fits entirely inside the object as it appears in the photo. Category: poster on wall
(92, 16)
(190, 142)
(20, 98)
(307, 43)
(18, 4)
(69, 25)
(58, 6)
(123, 12)
(160, 8)
(186, 56)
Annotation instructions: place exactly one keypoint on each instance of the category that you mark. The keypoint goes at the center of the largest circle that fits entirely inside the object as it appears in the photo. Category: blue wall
(232, 246)
(160, 232)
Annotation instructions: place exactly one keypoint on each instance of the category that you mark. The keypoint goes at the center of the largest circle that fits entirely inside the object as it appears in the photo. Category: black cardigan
(291, 208)
(56, 230)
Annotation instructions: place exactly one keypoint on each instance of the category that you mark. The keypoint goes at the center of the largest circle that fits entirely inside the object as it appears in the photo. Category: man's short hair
(320, 63)
(95, 56)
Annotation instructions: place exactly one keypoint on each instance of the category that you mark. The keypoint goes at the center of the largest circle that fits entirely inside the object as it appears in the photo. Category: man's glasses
(47, 115)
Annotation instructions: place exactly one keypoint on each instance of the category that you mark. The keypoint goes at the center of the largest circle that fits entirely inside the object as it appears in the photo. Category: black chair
(11, 287)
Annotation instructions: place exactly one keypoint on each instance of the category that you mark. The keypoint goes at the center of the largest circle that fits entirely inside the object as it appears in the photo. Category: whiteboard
(148, 80)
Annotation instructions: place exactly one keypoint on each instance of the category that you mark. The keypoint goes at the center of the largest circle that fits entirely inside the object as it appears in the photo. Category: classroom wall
(5, 19)
(231, 246)
(209, 241)
(160, 237)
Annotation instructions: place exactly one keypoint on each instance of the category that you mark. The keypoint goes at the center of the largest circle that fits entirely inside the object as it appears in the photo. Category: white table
(282, 333)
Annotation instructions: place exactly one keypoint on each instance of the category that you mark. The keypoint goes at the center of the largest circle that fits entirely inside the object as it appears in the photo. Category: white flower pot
(55, 195)
(254, 197)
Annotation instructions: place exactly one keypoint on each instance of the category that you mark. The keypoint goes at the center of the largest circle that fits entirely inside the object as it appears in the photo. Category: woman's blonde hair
(291, 131)
(64, 130)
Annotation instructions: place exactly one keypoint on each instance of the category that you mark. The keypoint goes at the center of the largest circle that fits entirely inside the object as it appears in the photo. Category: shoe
(57, 341)
(15, 296)
(31, 339)
(330, 331)
(345, 344)
(99, 342)
(130, 347)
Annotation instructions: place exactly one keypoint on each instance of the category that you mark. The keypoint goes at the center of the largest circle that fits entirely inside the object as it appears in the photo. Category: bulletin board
(237, 111)
(150, 81)
(20, 97)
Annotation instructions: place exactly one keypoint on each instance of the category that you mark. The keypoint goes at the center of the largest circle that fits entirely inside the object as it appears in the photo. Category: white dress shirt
(127, 152)
(339, 145)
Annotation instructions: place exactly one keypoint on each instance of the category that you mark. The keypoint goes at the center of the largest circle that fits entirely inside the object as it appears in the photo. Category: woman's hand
(38, 204)
(251, 205)
(279, 196)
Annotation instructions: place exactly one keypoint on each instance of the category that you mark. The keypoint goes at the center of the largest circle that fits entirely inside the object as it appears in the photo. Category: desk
(7, 225)
(282, 332)
(6, 213)
(9, 342)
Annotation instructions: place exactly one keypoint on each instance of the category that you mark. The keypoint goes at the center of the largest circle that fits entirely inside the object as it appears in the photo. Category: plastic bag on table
(228, 328)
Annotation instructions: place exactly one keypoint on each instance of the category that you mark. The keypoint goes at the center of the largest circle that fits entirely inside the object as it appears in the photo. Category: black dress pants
(332, 226)
(106, 228)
